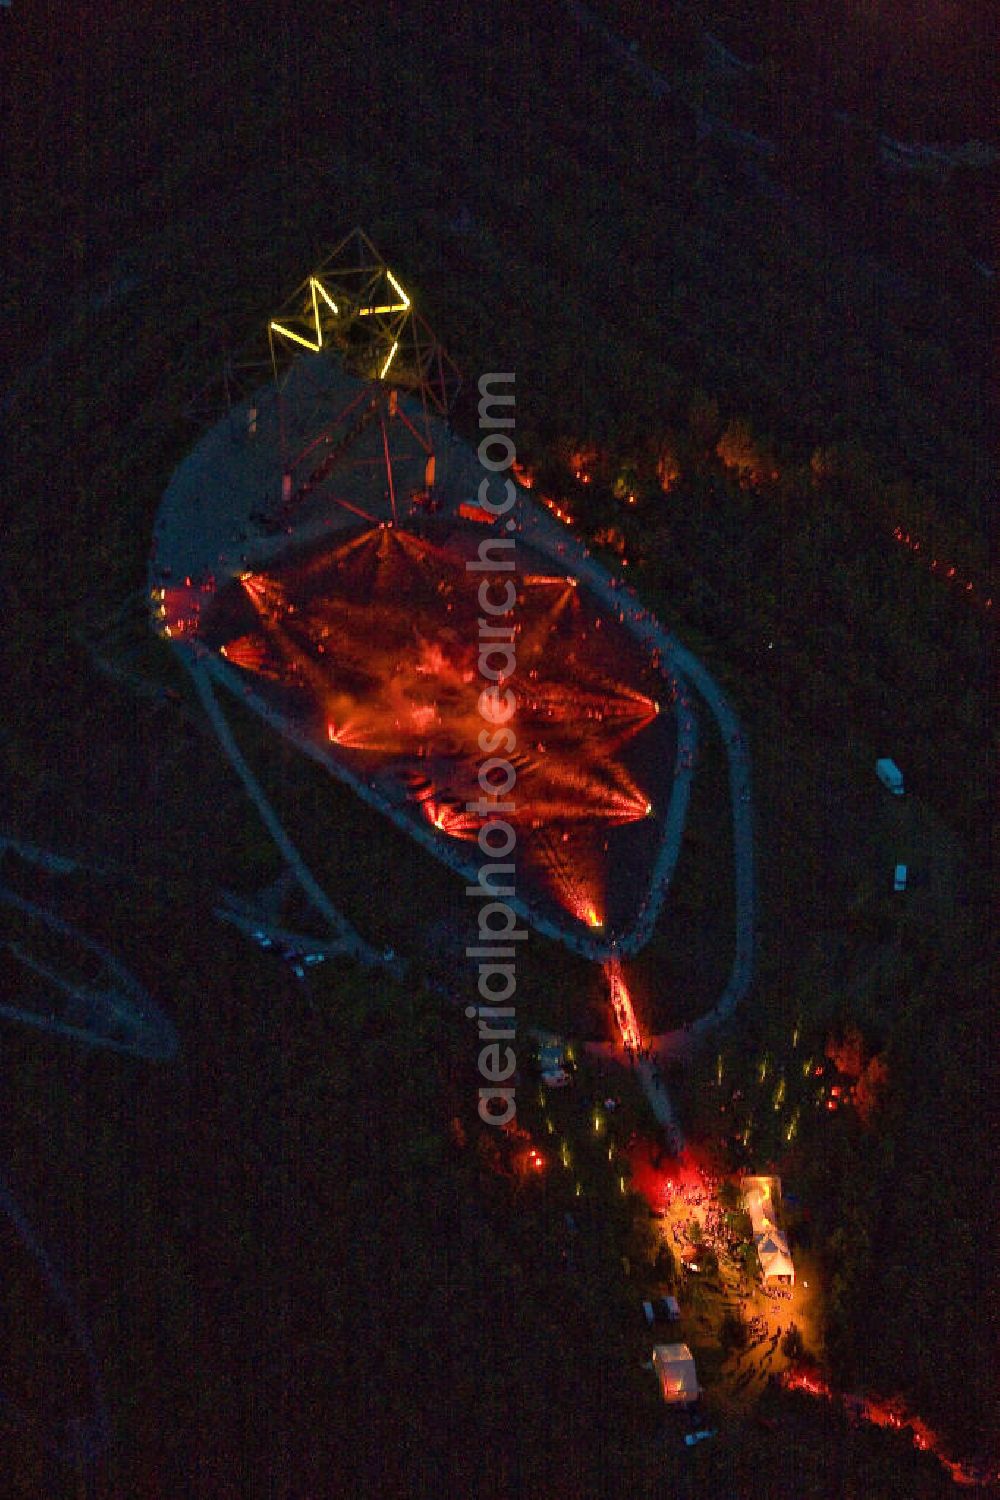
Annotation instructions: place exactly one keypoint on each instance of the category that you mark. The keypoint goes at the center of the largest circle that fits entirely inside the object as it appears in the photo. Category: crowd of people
(701, 1198)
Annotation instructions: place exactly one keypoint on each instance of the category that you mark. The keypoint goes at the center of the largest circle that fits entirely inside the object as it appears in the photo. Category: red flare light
(476, 513)
(557, 510)
(810, 1381)
(886, 1411)
(946, 572)
(447, 818)
(248, 652)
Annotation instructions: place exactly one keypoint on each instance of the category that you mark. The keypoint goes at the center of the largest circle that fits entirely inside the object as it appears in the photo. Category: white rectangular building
(674, 1365)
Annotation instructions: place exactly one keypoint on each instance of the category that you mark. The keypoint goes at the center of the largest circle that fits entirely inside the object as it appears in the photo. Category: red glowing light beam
(371, 640)
(621, 1003)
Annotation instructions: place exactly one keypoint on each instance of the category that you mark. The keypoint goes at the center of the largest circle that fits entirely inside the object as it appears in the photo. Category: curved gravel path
(120, 1016)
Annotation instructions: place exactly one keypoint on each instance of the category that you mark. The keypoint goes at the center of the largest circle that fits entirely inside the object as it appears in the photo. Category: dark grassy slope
(588, 200)
(259, 1236)
(614, 266)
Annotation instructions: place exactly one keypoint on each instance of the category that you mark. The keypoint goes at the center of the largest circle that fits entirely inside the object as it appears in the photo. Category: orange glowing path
(884, 1411)
(372, 643)
(621, 1002)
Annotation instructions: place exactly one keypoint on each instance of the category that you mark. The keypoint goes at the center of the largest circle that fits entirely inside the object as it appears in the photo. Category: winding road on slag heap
(115, 1013)
(344, 939)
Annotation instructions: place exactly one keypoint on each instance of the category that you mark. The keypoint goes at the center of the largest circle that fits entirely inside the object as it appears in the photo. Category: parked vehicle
(890, 776)
(691, 1438)
(661, 1310)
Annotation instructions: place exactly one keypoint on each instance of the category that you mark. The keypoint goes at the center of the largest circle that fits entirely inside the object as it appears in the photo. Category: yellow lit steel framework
(315, 343)
(390, 307)
(391, 356)
(355, 306)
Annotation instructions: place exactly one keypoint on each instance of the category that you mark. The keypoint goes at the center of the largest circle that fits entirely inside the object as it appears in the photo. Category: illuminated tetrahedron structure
(355, 308)
(354, 305)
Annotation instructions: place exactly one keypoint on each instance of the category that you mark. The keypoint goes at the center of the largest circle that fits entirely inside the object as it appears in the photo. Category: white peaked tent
(775, 1261)
(762, 1196)
(674, 1364)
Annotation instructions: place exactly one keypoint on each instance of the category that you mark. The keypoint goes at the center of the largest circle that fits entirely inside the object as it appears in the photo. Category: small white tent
(674, 1364)
(775, 1261)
